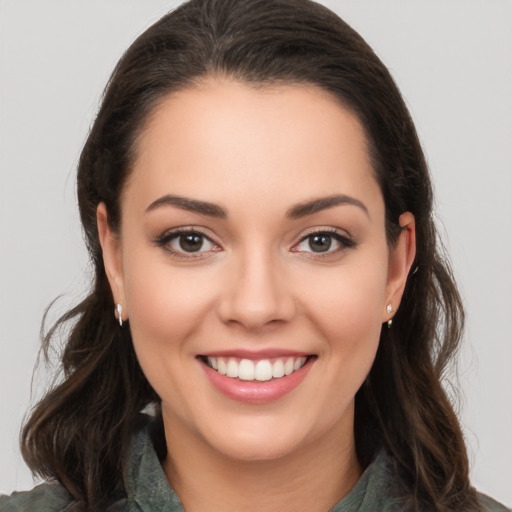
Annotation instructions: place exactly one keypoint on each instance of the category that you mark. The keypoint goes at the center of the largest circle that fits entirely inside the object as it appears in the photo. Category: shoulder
(490, 505)
(47, 497)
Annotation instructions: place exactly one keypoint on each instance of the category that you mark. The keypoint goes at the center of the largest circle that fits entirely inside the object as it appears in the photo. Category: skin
(256, 153)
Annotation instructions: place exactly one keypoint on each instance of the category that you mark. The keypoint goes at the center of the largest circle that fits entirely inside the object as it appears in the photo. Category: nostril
(257, 295)
(255, 312)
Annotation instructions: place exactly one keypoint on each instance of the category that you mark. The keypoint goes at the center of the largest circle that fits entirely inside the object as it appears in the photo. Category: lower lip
(257, 392)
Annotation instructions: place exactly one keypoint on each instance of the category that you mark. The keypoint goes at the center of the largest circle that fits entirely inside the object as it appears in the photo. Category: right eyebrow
(191, 205)
(322, 203)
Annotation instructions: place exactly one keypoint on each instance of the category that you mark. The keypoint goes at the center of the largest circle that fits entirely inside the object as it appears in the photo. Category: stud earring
(118, 313)
(389, 310)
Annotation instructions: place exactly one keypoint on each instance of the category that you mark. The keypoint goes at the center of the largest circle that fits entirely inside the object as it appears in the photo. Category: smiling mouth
(260, 370)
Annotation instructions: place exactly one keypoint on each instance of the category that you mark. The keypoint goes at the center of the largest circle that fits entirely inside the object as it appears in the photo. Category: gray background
(452, 60)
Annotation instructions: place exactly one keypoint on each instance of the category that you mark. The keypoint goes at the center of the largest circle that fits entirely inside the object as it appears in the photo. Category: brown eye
(187, 244)
(320, 242)
(323, 242)
(191, 242)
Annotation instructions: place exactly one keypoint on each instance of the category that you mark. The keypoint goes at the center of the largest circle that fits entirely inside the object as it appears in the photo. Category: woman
(257, 208)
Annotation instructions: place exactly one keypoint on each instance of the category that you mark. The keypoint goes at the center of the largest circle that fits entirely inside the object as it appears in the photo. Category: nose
(257, 293)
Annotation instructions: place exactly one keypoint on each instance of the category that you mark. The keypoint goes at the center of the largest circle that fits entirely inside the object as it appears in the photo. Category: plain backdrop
(452, 60)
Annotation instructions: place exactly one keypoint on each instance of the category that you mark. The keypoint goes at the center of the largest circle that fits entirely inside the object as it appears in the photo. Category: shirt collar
(146, 483)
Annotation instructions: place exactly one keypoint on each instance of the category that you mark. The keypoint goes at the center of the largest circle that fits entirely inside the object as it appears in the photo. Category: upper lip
(255, 354)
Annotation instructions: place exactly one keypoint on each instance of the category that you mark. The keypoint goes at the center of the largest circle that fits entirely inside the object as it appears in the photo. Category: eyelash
(164, 241)
(345, 243)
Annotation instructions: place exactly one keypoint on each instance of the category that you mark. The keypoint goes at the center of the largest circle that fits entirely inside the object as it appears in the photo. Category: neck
(313, 478)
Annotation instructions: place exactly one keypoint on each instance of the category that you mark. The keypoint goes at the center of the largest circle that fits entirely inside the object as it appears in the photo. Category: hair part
(80, 431)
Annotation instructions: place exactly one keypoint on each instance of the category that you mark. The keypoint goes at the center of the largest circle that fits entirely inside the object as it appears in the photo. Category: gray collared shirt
(148, 490)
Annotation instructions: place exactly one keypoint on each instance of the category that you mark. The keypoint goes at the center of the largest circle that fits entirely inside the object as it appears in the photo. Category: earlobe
(400, 261)
(111, 249)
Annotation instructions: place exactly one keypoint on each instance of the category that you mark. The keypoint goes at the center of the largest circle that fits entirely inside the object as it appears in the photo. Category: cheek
(350, 298)
(345, 305)
(167, 308)
(164, 304)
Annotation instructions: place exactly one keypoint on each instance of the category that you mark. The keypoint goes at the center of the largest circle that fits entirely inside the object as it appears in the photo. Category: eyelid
(341, 236)
(163, 240)
(324, 229)
(335, 232)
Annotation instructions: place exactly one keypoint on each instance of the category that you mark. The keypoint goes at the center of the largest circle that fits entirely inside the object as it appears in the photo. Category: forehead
(223, 140)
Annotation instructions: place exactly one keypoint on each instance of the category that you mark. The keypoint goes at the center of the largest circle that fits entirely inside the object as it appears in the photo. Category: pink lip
(256, 355)
(256, 392)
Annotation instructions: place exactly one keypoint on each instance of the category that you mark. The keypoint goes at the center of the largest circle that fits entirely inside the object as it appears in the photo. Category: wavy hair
(79, 432)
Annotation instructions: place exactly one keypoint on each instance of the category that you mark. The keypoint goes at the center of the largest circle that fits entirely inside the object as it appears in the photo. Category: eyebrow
(295, 212)
(322, 203)
(191, 205)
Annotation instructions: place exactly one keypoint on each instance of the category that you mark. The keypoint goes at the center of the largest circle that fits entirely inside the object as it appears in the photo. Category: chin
(264, 437)
(257, 448)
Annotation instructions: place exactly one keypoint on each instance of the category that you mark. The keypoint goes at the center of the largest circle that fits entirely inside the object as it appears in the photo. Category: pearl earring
(118, 312)
(389, 310)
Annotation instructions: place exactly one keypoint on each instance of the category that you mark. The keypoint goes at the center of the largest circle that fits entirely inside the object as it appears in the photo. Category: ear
(401, 258)
(112, 258)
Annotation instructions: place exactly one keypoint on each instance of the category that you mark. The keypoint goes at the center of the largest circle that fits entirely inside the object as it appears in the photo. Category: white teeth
(299, 363)
(246, 370)
(222, 366)
(288, 366)
(278, 369)
(262, 370)
(232, 370)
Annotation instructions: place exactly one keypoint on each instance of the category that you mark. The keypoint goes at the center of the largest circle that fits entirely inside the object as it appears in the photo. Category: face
(253, 266)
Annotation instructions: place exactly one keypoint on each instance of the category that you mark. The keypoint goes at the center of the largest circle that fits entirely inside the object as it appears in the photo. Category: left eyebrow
(322, 203)
(191, 205)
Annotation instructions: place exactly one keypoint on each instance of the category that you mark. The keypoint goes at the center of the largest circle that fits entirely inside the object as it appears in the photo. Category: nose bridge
(258, 293)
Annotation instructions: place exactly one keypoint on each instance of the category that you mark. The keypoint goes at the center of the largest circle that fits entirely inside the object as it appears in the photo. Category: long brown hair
(80, 431)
